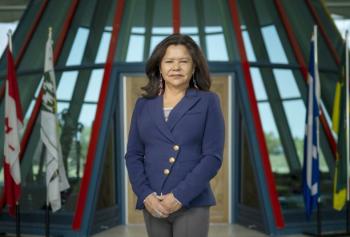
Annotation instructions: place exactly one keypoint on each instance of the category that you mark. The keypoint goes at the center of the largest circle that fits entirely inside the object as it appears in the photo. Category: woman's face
(176, 67)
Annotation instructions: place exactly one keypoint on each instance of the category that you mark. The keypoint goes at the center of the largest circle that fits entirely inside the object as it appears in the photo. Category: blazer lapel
(182, 107)
(155, 109)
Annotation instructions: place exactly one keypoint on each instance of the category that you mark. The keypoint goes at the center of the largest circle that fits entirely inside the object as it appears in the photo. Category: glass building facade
(261, 45)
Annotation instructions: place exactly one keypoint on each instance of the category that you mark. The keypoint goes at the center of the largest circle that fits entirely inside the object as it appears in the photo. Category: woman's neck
(172, 96)
(170, 92)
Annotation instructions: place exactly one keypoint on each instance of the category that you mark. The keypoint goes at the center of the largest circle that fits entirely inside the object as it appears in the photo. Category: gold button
(166, 171)
(176, 147)
(171, 160)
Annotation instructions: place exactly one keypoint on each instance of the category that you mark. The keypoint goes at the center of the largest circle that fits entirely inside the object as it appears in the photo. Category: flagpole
(18, 215)
(47, 218)
(47, 208)
(347, 126)
(347, 113)
(318, 96)
(18, 226)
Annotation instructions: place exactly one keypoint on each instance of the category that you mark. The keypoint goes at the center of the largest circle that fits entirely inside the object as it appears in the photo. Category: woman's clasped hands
(161, 206)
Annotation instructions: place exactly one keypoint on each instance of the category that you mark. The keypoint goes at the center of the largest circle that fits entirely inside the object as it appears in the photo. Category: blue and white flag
(311, 177)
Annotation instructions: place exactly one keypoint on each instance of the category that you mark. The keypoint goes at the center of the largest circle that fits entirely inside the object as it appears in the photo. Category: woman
(176, 141)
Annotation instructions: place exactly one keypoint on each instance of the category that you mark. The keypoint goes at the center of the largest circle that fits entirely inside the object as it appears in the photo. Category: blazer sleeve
(135, 157)
(211, 159)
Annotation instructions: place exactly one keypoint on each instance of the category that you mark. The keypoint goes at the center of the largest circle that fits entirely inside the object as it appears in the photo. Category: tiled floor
(214, 231)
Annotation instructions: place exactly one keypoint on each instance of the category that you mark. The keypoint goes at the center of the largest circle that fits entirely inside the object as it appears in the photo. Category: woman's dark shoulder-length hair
(201, 73)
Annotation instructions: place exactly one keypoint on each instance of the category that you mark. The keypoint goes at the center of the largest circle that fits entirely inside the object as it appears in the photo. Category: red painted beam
(84, 188)
(176, 16)
(303, 68)
(270, 181)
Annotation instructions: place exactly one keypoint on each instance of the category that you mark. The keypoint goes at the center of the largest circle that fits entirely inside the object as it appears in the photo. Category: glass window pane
(103, 48)
(296, 124)
(213, 29)
(135, 48)
(162, 30)
(286, 84)
(77, 51)
(94, 87)
(66, 85)
(87, 115)
(273, 45)
(276, 153)
(216, 47)
(154, 41)
(189, 30)
(248, 47)
(138, 30)
(259, 88)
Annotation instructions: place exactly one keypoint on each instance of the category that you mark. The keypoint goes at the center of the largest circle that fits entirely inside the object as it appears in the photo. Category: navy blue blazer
(180, 155)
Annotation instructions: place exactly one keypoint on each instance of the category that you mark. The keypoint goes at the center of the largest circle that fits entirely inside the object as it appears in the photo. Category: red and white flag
(13, 126)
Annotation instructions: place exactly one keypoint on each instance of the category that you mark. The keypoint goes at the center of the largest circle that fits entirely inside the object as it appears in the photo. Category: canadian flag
(13, 125)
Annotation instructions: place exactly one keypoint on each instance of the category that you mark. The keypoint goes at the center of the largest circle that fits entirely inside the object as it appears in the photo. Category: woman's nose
(176, 66)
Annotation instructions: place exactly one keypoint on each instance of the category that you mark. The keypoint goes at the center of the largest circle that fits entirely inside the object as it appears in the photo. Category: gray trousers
(193, 222)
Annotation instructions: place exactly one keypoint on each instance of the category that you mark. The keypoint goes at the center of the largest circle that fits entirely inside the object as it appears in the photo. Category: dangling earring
(194, 81)
(160, 84)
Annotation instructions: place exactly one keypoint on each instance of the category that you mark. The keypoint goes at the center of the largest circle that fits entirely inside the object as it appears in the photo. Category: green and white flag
(56, 179)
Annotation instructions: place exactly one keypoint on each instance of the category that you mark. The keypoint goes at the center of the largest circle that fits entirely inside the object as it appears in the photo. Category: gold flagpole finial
(50, 32)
